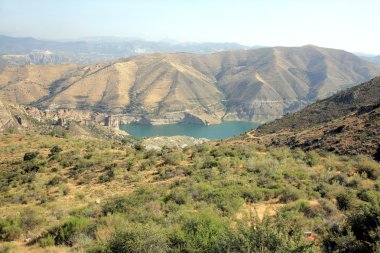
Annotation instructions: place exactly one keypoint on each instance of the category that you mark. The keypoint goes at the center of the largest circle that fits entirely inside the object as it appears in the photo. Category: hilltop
(254, 85)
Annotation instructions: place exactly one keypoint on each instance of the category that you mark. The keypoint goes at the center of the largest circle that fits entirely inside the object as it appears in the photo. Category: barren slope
(256, 85)
(29, 83)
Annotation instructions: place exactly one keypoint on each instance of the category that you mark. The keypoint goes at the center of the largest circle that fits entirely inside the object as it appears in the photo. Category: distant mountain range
(345, 123)
(19, 51)
(254, 85)
(374, 59)
(369, 57)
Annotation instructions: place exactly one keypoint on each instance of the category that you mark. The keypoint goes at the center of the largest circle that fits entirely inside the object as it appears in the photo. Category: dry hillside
(346, 123)
(256, 85)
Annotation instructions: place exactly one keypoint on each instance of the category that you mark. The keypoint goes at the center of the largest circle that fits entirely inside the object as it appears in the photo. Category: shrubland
(60, 194)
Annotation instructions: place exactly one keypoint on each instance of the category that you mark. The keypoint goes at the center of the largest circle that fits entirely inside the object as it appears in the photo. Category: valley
(189, 126)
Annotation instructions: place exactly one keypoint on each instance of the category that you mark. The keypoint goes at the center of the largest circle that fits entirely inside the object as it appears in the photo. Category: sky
(352, 25)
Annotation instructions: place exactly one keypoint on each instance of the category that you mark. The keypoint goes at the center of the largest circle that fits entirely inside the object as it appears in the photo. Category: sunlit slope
(255, 85)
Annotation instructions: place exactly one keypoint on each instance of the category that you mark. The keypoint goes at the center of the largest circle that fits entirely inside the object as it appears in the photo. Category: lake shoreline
(226, 129)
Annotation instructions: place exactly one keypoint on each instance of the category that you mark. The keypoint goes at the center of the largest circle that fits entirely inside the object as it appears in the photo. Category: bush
(32, 168)
(361, 232)
(30, 156)
(56, 180)
(117, 205)
(135, 239)
(6, 248)
(107, 177)
(54, 150)
(312, 158)
(173, 158)
(365, 225)
(344, 201)
(369, 167)
(289, 195)
(47, 241)
(10, 228)
(30, 219)
(204, 232)
(70, 231)
(252, 196)
(139, 147)
(271, 235)
(178, 197)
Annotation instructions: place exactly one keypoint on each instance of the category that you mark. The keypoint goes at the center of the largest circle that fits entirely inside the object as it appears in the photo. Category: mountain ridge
(253, 85)
(18, 51)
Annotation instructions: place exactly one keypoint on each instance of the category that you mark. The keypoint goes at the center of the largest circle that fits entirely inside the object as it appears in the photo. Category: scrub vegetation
(60, 194)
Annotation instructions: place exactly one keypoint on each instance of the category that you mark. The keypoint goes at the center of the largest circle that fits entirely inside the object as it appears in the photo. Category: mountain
(346, 123)
(374, 59)
(28, 83)
(254, 85)
(19, 51)
(369, 57)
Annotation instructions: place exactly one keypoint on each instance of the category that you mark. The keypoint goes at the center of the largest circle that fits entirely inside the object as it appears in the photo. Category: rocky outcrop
(192, 119)
(62, 116)
(21, 121)
(61, 122)
(6, 119)
(156, 143)
(112, 121)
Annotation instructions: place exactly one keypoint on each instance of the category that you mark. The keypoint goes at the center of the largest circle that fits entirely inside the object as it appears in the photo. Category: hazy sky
(352, 25)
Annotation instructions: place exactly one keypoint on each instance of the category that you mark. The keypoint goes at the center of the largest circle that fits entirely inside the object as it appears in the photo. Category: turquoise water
(213, 132)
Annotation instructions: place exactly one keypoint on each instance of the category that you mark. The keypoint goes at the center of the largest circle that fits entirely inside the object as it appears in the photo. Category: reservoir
(226, 129)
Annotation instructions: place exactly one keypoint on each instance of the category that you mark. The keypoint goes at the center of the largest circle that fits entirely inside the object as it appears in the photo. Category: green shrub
(179, 198)
(30, 218)
(312, 158)
(135, 238)
(173, 158)
(369, 167)
(361, 232)
(47, 241)
(275, 234)
(344, 201)
(54, 150)
(203, 232)
(107, 177)
(365, 225)
(31, 167)
(252, 195)
(372, 197)
(139, 147)
(10, 229)
(6, 248)
(30, 156)
(71, 230)
(56, 180)
(290, 194)
(117, 205)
